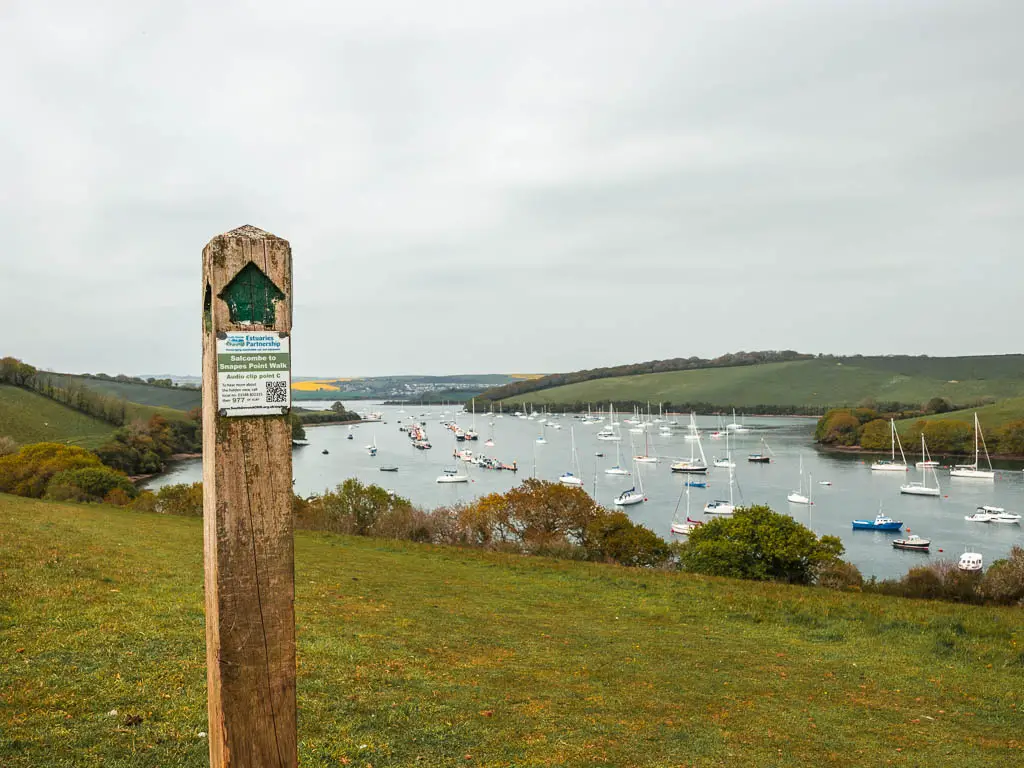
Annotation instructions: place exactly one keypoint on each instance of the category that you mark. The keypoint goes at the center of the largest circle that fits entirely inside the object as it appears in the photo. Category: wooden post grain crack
(247, 498)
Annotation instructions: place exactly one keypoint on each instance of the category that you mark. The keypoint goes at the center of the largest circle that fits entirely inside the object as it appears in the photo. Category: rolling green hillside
(417, 655)
(820, 382)
(143, 394)
(31, 418)
(990, 416)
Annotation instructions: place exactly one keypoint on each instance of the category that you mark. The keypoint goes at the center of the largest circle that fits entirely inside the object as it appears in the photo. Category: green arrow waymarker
(251, 296)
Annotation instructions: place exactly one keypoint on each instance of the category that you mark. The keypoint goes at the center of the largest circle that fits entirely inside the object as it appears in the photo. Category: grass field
(32, 418)
(990, 416)
(797, 383)
(143, 394)
(416, 655)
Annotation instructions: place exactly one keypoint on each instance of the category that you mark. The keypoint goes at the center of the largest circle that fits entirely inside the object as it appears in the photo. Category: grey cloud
(530, 187)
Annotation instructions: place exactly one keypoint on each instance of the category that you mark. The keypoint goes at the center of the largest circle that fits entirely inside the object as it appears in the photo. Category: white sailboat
(372, 448)
(891, 465)
(681, 527)
(693, 465)
(797, 496)
(541, 440)
(719, 506)
(972, 470)
(617, 469)
(608, 432)
(923, 489)
(632, 496)
(736, 426)
(572, 478)
(927, 462)
(646, 458)
(726, 463)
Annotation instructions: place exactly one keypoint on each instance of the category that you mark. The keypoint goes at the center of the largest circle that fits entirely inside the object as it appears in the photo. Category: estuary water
(855, 492)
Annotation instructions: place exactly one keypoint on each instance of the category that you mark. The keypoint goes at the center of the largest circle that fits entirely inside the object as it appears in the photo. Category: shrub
(145, 502)
(613, 536)
(28, 471)
(759, 544)
(118, 497)
(949, 436)
(839, 574)
(938, 580)
(837, 427)
(182, 499)
(1004, 581)
(876, 435)
(1009, 438)
(7, 446)
(352, 508)
(88, 484)
(938, 405)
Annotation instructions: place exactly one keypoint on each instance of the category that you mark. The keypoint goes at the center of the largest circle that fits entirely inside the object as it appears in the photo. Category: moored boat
(880, 523)
(890, 464)
(974, 471)
(913, 542)
(970, 561)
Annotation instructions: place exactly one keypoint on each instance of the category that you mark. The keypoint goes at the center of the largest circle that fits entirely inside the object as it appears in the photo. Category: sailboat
(891, 465)
(471, 433)
(972, 470)
(688, 527)
(736, 426)
(646, 458)
(927, 462)
(540, 438)
(570, 478)
(923, 489)
(608, 431)
(693, 465)
(372, 449)
(797, 496)
(719, 506)
(617, 469)
(632, 495)
(727, 462)
(762, 457)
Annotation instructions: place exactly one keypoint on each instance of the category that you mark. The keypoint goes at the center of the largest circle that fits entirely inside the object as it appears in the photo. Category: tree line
(112, 410)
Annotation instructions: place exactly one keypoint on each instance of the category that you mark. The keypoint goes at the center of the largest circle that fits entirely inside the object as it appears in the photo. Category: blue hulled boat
(880, 523)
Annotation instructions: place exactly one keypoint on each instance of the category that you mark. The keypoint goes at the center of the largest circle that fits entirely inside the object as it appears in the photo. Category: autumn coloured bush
(28, 471)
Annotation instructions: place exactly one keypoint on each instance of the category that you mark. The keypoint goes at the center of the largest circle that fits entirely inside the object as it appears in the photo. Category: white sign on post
(254, 373)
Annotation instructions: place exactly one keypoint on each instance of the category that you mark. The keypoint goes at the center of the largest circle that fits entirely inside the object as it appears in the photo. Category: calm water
(855, 492)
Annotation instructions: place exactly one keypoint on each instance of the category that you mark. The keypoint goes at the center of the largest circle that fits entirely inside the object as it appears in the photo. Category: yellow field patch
(528, 376)
(315, 386)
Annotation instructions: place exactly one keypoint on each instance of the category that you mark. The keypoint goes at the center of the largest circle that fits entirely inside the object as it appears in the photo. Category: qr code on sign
(277, 391)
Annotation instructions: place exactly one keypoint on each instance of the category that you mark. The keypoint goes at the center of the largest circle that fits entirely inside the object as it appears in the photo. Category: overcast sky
(515, 186)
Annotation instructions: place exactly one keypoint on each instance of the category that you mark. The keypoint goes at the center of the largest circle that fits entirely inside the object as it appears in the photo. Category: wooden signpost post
(247, 500)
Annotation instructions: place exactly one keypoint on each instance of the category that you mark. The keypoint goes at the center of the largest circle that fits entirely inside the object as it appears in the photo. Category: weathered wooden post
(247, 497)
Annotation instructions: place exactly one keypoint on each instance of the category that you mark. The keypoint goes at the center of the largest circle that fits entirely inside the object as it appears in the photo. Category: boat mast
(977, 428)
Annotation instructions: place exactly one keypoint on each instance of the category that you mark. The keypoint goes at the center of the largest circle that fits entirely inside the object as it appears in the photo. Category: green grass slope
(415, 655)
(143, 394)
(946, 368)
(797, 383)
(32, 418)
(990, 416)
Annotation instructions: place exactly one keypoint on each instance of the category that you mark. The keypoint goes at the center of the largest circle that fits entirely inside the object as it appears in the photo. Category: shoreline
(855, 450)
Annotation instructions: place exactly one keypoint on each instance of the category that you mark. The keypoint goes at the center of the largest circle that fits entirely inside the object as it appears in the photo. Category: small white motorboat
(970, 561)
